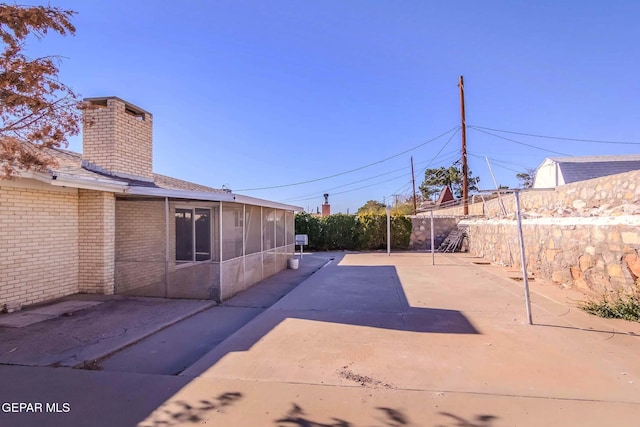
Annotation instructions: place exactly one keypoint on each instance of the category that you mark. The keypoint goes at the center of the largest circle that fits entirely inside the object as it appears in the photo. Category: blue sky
(256, 94)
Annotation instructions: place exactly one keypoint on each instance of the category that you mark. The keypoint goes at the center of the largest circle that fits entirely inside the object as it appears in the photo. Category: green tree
(400, 232)
(526, 178)
(339, 231)
(405, 205)
(373, 231)
(308, 224)
(437, 179)
(372, 207)
(37, 111)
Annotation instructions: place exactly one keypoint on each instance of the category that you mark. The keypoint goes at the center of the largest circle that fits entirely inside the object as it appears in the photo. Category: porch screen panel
(253, 229)
(268, 230)
(290, 221)
(184, 235)
(232, 224)
(280, 238)
(203, 234)
(215, 228)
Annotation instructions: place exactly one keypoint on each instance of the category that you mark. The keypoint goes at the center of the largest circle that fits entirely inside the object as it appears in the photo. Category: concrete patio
(378, 340)
(368, 340)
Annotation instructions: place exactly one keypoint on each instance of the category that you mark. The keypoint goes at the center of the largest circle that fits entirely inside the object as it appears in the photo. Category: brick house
(103, 222)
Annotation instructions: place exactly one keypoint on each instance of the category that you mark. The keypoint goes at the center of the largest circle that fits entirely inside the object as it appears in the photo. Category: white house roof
(581, 168)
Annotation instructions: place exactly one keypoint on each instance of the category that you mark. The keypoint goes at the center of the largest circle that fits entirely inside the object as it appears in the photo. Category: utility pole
(413, 179)
(465, 167)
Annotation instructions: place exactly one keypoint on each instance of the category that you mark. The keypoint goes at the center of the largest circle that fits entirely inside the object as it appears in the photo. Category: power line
(352, 170)
(497, 163)
(400, 190)
(315, 194)
(518, 142)
(556, 137)
(359, 188)
(438, 153)
(505, 162)
(404, 187)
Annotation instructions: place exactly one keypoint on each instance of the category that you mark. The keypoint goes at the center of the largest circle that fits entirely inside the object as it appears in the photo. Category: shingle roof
(168, 182)
(581, 168)
(70, 164)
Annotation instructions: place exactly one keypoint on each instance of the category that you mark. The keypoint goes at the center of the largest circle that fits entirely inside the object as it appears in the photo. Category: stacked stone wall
(584, 235)
(595, 256)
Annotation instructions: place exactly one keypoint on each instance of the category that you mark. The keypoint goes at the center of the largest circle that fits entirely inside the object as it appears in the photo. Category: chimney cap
(127, 103)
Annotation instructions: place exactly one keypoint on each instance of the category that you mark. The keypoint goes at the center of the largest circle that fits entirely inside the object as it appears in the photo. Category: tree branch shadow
(179, 412)
(386, 417)
(478, 421)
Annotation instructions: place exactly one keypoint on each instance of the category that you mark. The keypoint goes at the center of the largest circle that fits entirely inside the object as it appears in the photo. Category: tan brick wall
(38, 243)
(96, 233)
(118, 141)
(140, 243)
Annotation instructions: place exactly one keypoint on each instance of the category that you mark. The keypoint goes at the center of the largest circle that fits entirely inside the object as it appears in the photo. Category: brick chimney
(117, 138)
(326, 207)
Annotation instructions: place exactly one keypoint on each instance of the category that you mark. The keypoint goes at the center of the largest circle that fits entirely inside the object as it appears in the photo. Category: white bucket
(293, 263)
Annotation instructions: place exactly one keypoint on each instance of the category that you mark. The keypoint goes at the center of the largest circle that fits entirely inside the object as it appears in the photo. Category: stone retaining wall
(595, 255)
(585, 235)
(601, 194)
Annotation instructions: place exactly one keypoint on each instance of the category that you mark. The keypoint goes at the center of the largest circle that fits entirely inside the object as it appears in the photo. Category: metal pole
(523, 258)
(166, 246)
(389, 230)
(465, 167)
(504, 210)
(433, 242)
(413, 179)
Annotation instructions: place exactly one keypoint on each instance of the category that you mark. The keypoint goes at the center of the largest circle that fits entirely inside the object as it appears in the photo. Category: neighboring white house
(554, 171)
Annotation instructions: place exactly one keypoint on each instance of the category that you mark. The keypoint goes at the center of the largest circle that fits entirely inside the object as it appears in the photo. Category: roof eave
(180, 194)
(59, 179)
(266, 203)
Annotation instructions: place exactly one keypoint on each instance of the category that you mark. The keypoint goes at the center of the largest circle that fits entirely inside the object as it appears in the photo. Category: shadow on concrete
(611, 332)
(297, 416)
(385, 417)
(201, 412)
(477, 421)
(368, 296)
(179, 412)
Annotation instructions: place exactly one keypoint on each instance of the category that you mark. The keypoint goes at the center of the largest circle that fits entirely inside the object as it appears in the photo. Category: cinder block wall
(117, 137)
(96, 232)
(38, 243)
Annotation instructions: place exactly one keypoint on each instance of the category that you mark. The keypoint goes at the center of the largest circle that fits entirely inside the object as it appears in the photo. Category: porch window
(193, 234)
